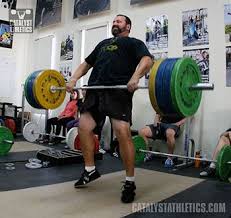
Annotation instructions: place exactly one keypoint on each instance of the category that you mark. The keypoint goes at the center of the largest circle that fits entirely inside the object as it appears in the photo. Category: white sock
(212, 165)
(89, 169)
(130, 179)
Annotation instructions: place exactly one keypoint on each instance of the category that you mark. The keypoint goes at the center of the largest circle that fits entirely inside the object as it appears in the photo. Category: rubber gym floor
(49, 192)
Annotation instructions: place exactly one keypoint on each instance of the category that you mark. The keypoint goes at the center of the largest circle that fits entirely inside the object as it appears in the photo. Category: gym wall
(212, 117)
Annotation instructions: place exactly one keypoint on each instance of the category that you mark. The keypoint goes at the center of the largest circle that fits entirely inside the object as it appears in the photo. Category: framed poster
(6, 36)
(137, 1)
(87, 7)
(157, 32)
(67, 47)
(228, 66)
(201, 56)
(195, 27)
(65, 69)
(10, 4)
(227, 19)
(48, 12)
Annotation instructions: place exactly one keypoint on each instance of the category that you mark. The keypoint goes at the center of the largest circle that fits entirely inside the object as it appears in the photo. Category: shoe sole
(85, 185)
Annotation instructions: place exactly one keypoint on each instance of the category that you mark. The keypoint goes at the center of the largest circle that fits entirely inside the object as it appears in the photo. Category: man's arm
(226, 134)
(144, 66)
(157, 119)
(79, 72)
(181, 122)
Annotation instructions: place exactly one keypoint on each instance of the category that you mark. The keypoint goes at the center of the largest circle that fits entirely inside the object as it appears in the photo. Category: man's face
(119, 26)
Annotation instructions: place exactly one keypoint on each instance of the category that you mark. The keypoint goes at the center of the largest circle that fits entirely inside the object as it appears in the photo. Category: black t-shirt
(170, 119)
(114, 60)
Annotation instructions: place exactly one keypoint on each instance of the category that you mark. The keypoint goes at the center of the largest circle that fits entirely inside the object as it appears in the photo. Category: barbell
(174, 87)
(223, 161)
(31, 132)
(6, 140)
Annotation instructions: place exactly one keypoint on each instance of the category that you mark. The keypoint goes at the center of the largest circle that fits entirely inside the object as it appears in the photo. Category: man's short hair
(127, 19)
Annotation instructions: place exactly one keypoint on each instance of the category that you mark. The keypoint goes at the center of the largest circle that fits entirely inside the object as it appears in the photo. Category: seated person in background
(75, 123)
(64, 117)
(165, 128)
(225, 139)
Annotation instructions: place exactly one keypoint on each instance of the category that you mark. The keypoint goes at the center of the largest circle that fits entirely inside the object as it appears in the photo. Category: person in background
(225, 139)
(164, 128)
(68, 114)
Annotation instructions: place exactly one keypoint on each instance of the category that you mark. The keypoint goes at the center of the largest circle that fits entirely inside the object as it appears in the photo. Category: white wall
(213, 115)
(19, 55)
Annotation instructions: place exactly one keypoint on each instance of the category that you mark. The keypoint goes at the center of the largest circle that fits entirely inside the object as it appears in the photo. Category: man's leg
(145, 133)
(86, 135)
(148, 132)
(127, 152)
(220, 144)
(170, 135)
(210, 171)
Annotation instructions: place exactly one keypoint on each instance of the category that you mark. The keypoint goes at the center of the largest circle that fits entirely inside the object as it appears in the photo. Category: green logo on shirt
(111, 48)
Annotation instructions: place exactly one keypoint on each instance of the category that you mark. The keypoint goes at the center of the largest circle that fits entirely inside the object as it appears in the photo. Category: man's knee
(224, 140)
(170, 134)
(122, 130)
(86, 123)
(142, 132)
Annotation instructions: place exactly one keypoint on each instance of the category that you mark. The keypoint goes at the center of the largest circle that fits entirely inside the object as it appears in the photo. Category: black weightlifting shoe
(128, 192)
(208, 172)
(87, 177)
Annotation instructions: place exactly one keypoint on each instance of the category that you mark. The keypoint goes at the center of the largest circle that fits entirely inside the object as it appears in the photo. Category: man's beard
(116, 30)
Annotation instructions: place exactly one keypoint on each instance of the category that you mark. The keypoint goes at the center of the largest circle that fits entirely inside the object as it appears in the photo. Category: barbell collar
(202, 86)
(179, 156)
(8, 141)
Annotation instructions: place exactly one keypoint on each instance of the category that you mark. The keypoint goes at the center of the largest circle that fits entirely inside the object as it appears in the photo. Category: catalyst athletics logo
(21, 20)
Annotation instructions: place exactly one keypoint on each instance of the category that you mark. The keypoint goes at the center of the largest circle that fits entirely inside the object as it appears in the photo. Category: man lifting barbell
(174, 88)
(114, 62)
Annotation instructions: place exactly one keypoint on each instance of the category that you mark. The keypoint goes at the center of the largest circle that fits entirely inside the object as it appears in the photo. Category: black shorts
(159, 131)
(114, 103)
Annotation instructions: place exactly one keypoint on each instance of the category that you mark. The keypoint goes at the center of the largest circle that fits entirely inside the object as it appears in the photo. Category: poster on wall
(201, 56)
(227, 19)
(228, 66)
(48, 12)
(67, 47)
(195, 27)
(10, 4)
(65, 68)
(157, 32)
(87, 7)
(137, 1)
(6, 36)
(156, 57)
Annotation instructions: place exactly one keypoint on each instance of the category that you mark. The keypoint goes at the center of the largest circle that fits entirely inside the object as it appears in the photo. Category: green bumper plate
(5, 134)
(139, 143)
(185, 74)
(223, 169)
